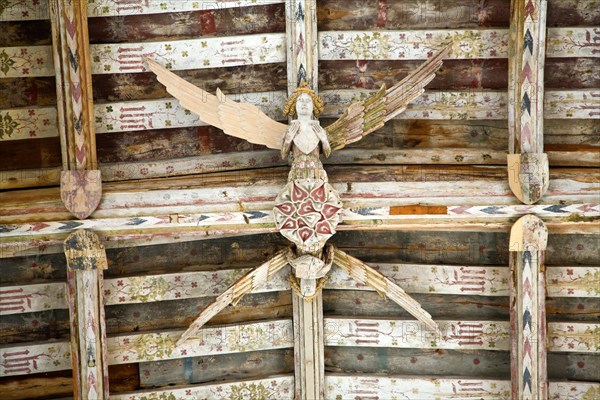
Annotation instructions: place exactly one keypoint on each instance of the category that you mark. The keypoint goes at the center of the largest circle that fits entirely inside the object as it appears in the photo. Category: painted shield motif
(307, 212)
(81, 191)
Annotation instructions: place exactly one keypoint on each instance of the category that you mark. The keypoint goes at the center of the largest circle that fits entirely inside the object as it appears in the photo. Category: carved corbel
(528, 171)
(81, 182)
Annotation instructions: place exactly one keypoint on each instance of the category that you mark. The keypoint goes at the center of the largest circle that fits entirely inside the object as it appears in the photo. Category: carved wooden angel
(308, 209)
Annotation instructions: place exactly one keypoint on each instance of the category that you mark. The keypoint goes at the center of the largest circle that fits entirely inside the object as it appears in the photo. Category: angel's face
(304, 105)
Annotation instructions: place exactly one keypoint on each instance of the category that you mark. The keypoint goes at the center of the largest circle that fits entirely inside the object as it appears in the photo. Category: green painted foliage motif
(252, 391)
(7, 125)
(6, 63)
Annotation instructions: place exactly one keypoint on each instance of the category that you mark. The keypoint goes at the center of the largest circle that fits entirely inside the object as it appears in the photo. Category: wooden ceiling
(185, 209)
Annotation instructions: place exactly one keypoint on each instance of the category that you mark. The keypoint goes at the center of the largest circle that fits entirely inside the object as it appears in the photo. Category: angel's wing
(366, 116)
(246, 284)
(366, 275)
(241, 120)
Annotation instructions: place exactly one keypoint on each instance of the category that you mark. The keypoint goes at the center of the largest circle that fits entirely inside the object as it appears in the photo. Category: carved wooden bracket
(528, 238)
(81, 184)
(527, 163)
(86, 261)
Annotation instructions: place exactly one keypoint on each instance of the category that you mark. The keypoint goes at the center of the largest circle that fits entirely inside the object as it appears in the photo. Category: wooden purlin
(528, 239)
(86, 260)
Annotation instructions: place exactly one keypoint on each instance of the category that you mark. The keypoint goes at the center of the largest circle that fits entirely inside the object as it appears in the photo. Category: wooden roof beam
(528, 167)
(81, 182)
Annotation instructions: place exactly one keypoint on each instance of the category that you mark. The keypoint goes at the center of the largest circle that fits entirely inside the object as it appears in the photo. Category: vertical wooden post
(86, 261)
(301, 16)
(528, 171)
(81, 184)
(303, 50)
(528, 238)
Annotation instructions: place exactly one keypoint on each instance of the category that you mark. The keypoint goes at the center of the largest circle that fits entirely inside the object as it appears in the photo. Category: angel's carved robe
(303, 142)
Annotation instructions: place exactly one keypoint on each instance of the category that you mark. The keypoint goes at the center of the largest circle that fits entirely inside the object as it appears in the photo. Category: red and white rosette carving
(307, 212)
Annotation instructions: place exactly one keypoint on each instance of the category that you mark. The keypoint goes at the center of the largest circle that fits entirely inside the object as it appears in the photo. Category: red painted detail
(298, 194)
(71, 27)
(526, 73)
(318, 194)
(381, 13)
(324, 228)
(307, 207)
(76, 91)
(305, 233)
(286, 208)
(329, 210)
(289, 224)
(529, 9)
(207, 22)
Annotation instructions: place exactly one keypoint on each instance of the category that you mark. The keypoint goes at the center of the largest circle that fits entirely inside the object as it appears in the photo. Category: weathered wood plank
(527, 244)
(240, 79)
(280, 387)
(30, 122)
(466, 44)
(189, 54)
(415, 14)
(485, 105)
(86, 260)
(17, 10)
(26, 61)
(208, 19)
(24, 33)
(33, 153)
(37, 386)
(569, 337)
(167, 113)
(27, 92)
(264, 217)
(348, 386)
(250, 365)
(573, 282)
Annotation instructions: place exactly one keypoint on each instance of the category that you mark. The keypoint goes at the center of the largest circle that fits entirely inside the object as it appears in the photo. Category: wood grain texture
(207, 19)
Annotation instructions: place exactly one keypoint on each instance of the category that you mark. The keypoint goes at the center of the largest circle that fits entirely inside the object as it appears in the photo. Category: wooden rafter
(309, 350)
(81, 182)
(528, 238)
(86, 261)
(528, 168)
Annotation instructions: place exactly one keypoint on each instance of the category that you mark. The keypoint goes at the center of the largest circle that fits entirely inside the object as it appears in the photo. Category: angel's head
(301, 100)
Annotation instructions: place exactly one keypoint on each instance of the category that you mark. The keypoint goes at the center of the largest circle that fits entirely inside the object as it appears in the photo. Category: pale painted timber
(211, 52)
(165, 113)
(138, 115)
(275, 387)
(30, 358)
(302, 66)
(528, 239)
(565, 282)
(31, 122)
(86, 262)
(341, 386)
(466, 43)
(80, 182)
(27, 10)
(106, 8)
(26, 61)
(528, 168)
